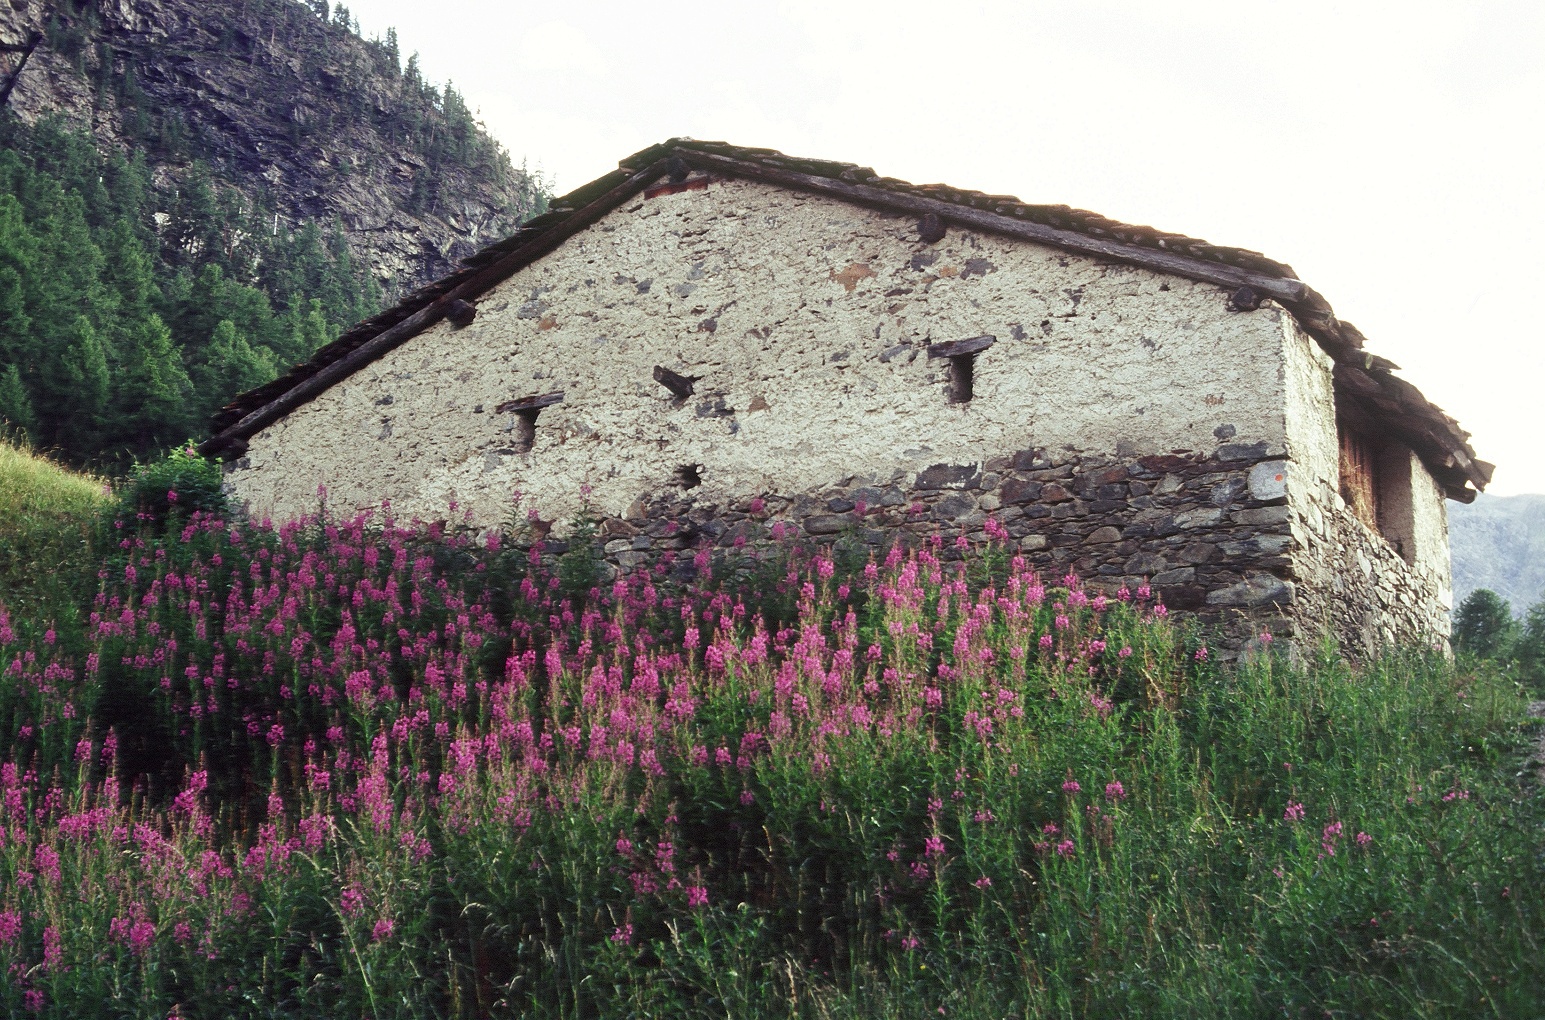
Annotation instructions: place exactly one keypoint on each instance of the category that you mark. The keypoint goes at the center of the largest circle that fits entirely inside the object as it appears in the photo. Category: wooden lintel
(956, 348)
(529, 404)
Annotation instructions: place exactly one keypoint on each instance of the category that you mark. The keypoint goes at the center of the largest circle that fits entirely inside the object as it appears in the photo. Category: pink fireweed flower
(351, 901)
(1061, 622)
(1046, 641)
(53, 952)
(623, 934)
(1065, 848)
(1201, 653)
(758, 505)
(624, 846)
(383, 930)
(697, 896)
(1071, 786)
(1114, 791)
(933, 846)
(1362, 839)
(1125, 653)
(910, 942)
(983, 883)
(10, 926)
(1294, 812)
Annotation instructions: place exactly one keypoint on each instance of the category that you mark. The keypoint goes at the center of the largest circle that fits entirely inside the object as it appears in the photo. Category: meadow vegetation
(47, 516)
(371, 768)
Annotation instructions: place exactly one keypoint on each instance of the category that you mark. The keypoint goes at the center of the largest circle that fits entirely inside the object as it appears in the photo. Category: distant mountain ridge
(1498, 542)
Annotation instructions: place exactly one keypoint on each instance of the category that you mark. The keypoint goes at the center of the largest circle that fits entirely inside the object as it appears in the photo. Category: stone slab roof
(1395, 404)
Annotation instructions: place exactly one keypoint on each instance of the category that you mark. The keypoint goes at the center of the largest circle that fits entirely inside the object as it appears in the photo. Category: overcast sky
(1389, 152)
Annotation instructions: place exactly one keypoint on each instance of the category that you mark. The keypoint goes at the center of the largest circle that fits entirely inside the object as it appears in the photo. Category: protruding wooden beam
(931, 228)
(679, 385)
(1245, 299)
(960, 348)
(461, 312)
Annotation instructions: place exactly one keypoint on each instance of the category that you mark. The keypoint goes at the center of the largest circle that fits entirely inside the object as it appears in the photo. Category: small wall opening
(525, 431)
(525, 411)
(689, 476)
(962, 354)
(962, 382)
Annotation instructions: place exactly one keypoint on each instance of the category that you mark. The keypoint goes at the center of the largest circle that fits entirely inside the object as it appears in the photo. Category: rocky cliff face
(1499, 543)
(299, 115)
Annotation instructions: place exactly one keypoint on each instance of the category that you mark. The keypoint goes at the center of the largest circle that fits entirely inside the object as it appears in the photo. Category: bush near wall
(371, 769)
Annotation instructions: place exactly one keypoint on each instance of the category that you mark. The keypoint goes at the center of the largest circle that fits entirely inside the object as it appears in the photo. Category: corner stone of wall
(1190, 525)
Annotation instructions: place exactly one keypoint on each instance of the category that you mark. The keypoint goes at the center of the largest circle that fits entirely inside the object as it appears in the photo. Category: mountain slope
(1498, 542)
(196, 195)
(296, 112)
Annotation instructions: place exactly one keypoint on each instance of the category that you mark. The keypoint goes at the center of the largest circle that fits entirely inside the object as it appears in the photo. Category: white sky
(1390, 152)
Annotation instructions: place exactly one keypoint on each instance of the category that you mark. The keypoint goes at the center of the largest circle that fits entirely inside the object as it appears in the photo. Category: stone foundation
(1210, 534)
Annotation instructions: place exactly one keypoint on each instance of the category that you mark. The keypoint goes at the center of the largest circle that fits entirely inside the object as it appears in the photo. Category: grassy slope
(45, 517)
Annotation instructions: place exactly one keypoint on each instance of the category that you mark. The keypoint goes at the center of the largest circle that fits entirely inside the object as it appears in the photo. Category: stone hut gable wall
(1125, 425)
(805, 322)
(1352, 582)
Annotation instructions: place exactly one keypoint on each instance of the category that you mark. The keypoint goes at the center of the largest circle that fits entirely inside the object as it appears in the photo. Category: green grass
(47, 515)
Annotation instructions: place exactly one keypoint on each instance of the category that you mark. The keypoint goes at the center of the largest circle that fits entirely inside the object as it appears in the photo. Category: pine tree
(15, 405)
(1484, 625)
(231, 366)
(151, 409)
(86, 384)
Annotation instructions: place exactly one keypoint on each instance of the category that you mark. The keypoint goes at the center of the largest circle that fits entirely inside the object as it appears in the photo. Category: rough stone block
(1032, 543)
(954, 507)
(1146, 564)
(1203, 517)
(1242, 451)
(827, 524)
(1100, 536)
(1017, 490)
(948, 476)
(1268, 480)
(1263, 516)
(1180, 575)
(1198, 552)
(1257, 590)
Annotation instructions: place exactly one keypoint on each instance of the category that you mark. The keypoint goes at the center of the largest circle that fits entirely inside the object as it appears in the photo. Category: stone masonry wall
(1210, 534)
(1354, 583)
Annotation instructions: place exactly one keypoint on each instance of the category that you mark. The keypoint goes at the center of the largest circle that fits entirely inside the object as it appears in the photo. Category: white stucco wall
(805, 320)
